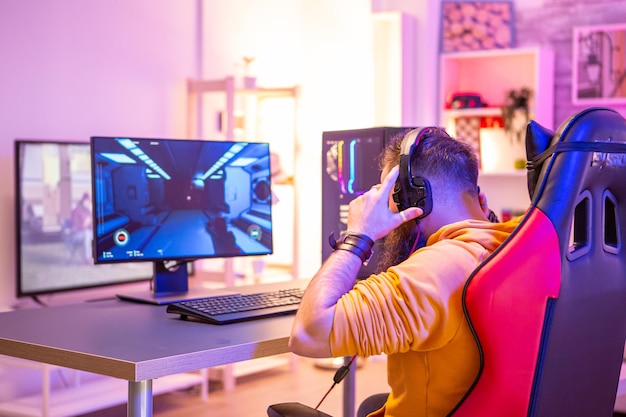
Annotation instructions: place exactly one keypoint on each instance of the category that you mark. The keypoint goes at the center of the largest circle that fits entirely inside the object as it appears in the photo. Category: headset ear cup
(410, 191)
(423, 196)
(397, 198)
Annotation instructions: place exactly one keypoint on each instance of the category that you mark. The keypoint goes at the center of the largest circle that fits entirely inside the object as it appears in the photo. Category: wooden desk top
(135, 341)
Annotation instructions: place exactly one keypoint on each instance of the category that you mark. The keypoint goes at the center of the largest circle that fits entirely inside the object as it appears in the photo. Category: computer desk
(140, 342)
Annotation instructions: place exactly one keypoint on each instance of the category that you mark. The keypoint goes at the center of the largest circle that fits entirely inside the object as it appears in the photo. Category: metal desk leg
(349, 389)
(140, 398)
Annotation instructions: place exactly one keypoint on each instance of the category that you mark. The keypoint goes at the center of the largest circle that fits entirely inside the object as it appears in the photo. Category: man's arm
(369, 214)
(314, 320)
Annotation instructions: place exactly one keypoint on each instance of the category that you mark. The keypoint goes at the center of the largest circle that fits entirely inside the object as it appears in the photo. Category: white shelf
(621, 387)
(492, 73)
(228, 374)
(473, 112)
(251, 113)
(490, 53)
(620, 402)
(80, 396)
(90, 396)
(518, 173)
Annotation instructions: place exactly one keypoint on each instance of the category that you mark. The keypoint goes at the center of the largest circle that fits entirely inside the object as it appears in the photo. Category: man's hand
(370, 213)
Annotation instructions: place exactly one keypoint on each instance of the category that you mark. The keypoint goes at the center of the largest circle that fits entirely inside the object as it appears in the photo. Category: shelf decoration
(468, 130)
(516, 113)
(599, 70)
(476, 25)
(515, 116)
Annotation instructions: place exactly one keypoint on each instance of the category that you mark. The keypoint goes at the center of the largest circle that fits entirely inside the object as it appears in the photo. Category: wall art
(599, 64)
(476, 25)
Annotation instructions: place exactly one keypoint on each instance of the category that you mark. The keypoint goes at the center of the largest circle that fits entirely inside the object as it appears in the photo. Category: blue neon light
(352, 163)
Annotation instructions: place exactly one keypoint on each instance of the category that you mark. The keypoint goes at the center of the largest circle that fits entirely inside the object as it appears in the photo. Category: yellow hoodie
(413, 313)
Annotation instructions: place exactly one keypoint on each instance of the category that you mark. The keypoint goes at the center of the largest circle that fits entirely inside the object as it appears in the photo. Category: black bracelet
(359, 244)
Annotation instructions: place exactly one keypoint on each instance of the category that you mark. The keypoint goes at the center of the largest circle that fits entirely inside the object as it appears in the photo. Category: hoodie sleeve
(416, 305)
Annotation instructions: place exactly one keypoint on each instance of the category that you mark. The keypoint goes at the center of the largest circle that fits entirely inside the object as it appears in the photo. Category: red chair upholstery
(548, 308)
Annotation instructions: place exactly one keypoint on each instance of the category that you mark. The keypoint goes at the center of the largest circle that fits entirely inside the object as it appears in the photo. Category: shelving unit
(507, 192)
(80, 396)
(222, 109)
(239, 109)
(492, 74)
(620, 403)
(228, 374)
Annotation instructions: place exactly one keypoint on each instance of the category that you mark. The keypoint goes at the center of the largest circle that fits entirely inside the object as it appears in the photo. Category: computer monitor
(170, 201)
(53, 214)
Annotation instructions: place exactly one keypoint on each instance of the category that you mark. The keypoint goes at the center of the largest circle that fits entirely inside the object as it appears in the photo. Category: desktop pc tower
(350, 167)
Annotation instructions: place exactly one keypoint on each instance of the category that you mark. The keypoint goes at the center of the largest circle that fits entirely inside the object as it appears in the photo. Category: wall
(551, 25)
(71, 69)
(266, 31)
(337, 94)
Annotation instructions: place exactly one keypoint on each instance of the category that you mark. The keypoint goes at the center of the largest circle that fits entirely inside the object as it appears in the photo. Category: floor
(255, 392)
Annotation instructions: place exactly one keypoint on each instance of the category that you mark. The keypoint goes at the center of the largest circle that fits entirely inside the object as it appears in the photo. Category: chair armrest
(294, 410)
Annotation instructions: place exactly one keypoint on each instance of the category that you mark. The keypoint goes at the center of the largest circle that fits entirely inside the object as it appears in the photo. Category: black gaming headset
(409, 190)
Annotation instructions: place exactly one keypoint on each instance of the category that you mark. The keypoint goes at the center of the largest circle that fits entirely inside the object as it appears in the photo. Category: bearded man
(436, 232)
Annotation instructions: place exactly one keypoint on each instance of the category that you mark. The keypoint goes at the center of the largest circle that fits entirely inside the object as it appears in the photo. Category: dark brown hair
(437, 156)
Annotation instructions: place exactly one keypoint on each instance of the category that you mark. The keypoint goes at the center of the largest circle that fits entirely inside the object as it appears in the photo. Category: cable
(417, 238)
(39, 301)
(339, 376)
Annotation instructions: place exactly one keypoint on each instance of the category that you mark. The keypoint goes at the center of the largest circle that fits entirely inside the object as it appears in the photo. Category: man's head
(450, 167)
(433, 155)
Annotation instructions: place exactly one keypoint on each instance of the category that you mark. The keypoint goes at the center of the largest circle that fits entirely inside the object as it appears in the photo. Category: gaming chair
(548, 307)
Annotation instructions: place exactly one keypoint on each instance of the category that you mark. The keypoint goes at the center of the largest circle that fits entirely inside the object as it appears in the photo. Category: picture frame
(599, 64)
(476, 25)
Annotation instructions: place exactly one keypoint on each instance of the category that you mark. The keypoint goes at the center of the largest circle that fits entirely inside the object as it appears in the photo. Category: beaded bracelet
(359, 244)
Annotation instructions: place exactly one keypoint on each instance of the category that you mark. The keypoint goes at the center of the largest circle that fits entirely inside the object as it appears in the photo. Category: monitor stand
(171, 285)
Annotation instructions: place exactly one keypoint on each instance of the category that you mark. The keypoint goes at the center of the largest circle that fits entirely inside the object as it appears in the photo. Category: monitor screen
(53, 222)
(175, 199)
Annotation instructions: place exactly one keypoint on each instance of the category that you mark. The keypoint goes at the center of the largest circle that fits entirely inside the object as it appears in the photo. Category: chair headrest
(538, 139)
(593, 130)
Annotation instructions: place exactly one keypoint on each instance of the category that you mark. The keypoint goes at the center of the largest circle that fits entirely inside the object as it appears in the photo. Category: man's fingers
(390, 180)
(410, 214)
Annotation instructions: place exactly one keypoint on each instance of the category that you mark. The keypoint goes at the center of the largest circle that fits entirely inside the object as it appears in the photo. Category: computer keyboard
(233, 308)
